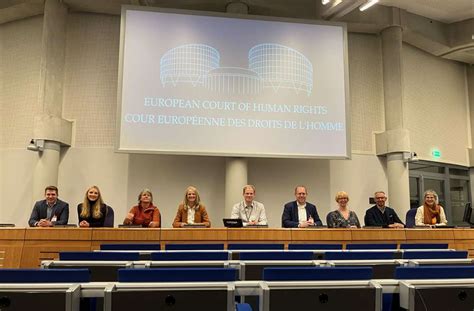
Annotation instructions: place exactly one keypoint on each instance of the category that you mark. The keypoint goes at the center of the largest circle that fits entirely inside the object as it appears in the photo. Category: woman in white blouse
(430, 213)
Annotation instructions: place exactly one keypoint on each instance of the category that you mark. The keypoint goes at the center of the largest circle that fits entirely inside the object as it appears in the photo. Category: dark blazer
(373, 217)
(289, 219)
(60, 209)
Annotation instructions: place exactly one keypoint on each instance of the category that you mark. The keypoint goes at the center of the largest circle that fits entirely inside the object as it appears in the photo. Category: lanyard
(248, 211)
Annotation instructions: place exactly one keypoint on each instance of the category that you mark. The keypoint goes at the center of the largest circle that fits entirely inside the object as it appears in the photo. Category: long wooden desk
(26, 247)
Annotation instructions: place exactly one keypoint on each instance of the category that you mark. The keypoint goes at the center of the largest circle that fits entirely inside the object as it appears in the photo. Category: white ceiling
(447, 11)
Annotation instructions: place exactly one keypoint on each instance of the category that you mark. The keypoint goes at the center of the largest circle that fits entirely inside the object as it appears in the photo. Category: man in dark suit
(51, 211)
(299, 213)
(380, 215)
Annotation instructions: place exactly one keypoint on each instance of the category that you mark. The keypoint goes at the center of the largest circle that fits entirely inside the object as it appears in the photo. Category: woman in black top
(92, 211)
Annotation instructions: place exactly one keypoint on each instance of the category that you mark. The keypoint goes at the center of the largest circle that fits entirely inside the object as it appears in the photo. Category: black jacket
(373, 217)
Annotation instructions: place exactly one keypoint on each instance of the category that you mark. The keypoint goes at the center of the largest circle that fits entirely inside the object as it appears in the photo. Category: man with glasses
(381, 215)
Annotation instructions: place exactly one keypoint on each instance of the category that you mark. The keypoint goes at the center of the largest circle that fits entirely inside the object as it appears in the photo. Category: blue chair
(423, 246)
(250, 246)
(372, 246)
(434, 254)
(195, 255)
(44, 276)
(201, 247)
(243, 307)
(434, 272)
(112, 256)
(410, 218)
(317, 273)
(178, 275)
(130, 247)
(109, 217)
(315, 246)
(276, 256)
(360, 255)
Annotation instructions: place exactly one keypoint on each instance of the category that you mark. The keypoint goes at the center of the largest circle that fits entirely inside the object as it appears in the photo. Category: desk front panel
(193, 235)
(259, 235)
(25, 248)
(124, 235)
(328, 236)
(11, 247)
(46, 243)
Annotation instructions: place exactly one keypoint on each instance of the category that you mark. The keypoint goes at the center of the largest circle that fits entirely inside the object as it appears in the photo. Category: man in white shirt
(299, 213)
(250, 211)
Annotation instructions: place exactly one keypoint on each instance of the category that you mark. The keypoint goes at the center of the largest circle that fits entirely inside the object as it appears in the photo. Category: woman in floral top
(342, 217)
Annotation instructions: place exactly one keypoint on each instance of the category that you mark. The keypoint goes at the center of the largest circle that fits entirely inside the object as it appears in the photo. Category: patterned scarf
(431, 214)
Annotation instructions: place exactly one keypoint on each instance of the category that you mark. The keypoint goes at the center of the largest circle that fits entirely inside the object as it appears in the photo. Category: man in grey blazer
(51, 211)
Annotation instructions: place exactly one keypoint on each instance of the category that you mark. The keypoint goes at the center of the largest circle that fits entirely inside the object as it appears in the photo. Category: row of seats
(319, 288)
(229, 274)
(104, 265)
(268, 255)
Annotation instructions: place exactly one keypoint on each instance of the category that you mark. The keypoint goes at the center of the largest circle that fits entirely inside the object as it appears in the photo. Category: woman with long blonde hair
(92, 210)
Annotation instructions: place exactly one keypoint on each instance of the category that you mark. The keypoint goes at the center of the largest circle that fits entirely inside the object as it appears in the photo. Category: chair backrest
(132, 246)
(178, 275)
(276, 255)
(410, 218)
(434, 272)
(442, 254)
(423, 246)
(372, 246)
(128, 256)
(44, 275)
(216, 246)
(359, 255)
(193, 255)
(316, 273)
(317, 246)
(244, 246)
(109, 217)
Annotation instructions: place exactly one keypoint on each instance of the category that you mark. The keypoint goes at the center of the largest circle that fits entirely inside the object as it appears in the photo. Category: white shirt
(253, 212)
(302, 213)
(191, 212)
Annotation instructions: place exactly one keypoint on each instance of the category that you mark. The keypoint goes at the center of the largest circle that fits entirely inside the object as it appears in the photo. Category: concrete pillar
(235, 178)
(236, 168)
(392, 77)
(397, 138)
(46, 170)
(49, 125)
(398, 184)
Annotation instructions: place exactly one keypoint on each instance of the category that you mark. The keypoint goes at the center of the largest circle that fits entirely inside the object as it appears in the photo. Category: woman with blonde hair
(92, 211)
(191, 211)
(342, 217)
(145, 213)
(430, 213)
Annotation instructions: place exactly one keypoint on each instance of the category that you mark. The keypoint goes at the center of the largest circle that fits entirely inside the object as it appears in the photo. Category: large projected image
(214, 85)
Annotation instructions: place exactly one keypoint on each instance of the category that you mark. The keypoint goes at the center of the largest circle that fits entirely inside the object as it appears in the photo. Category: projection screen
(226, 85)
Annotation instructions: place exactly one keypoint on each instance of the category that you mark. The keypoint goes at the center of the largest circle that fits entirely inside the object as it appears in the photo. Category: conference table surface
(27, 247)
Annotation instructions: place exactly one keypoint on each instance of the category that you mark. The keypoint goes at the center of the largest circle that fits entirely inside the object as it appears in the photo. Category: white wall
(90, 88)
(436, 106)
